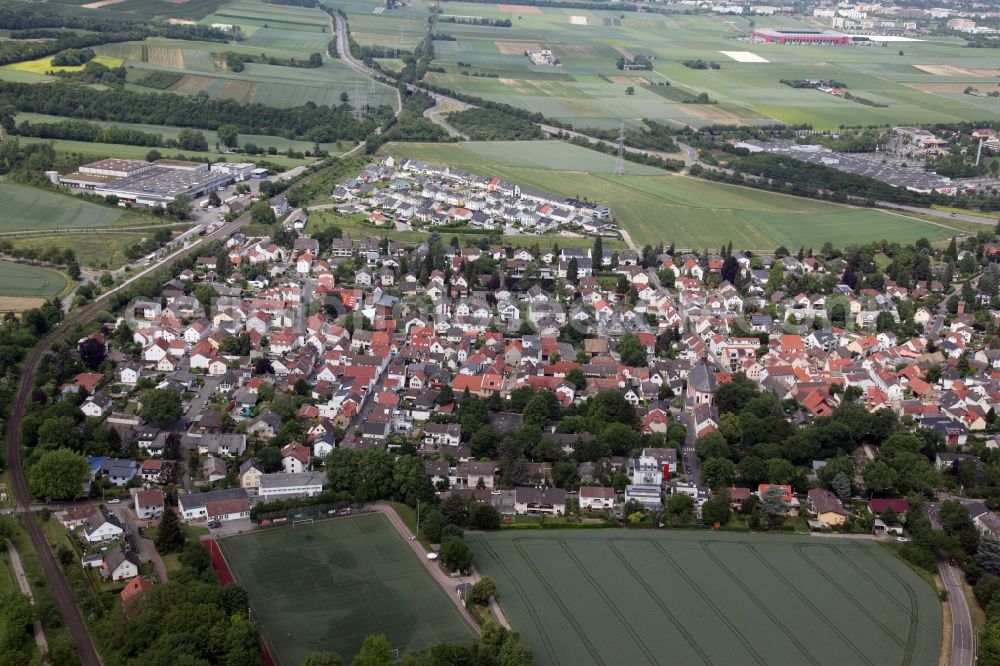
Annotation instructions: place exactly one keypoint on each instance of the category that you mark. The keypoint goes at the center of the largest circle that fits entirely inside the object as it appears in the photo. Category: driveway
(144, 548)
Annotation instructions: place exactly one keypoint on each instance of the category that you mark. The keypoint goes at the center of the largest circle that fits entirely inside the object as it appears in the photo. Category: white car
(114, 501)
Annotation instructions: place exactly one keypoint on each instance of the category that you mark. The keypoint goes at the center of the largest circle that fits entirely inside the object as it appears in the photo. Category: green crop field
(923, 85)
(327, 585)
(29, 281)
(30, 208)
(671, 208)
(586, 597)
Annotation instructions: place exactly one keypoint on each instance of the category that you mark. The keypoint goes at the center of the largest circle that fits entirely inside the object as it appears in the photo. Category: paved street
(963, 635)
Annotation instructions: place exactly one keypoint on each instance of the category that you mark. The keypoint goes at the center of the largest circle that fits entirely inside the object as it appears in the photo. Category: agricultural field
(351, 577)
(22, 281)
(372, 24)
(587, 597)
(30, 208)
(923, 85)
(44, 65)
(654, 206)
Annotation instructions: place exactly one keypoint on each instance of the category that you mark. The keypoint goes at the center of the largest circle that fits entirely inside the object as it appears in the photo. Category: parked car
(114, 501)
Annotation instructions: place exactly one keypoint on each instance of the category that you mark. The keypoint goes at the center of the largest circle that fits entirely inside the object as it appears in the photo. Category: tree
(630, 90)
(988, 554)
(483, 517)
(411, 481)
(58, 432)
(329, 658)
(375, 651)
(189, 139)
(161, 406)
(841, 485)
(455, 554)
(572, 271)
(170, 537)
(598, 252)
(432, 524)
(730, 268)
(718, 472)
(228, 135)
(375, 475)
(773, 502)
(712, 445)
(482, 590)
(717, 510)
(879, 477)
(631, 351)
(262, 213)
(577, 378)
(59, 475)
(92, 352)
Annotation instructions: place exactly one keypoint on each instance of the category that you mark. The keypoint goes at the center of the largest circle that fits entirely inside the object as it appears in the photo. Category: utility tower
(620, 160)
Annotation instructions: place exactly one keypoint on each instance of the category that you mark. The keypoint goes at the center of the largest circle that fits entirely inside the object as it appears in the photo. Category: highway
(65, 603)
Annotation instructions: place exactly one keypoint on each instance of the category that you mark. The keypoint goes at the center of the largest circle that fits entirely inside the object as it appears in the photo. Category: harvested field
(939, 87)
(516, 48)
(519, 9)
(192, 85)
(743, 56)
(625, 52)
(578, 20)
(944, 70)
(101, 3)
(19, 303)
(630, 80)
(165, 57)
(711, 112)
(241, 91)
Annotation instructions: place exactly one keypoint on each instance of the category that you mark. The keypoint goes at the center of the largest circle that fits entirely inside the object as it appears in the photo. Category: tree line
(310, 122)
(493, 125)
(234, 61)
(25, 19)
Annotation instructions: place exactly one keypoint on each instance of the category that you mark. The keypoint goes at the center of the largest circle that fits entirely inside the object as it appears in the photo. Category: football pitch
(325, 586)
(586, 597)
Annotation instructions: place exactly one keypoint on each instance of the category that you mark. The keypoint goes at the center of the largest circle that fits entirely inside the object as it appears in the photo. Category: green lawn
(92, 250)
(677, 209)
(631, 597)
(29, 281)
(325, 586)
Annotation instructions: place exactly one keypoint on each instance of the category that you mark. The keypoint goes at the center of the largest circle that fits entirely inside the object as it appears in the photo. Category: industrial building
(817, 37)
(152, 184)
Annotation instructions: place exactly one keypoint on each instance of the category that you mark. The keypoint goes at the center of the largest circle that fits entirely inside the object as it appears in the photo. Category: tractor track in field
(659, 602)
(789, 634)
(799, 549)
(560, 603)
(608, 602)
(874, 581)
(527, 603)
(914, 606)
(708, 602)
(804, 599)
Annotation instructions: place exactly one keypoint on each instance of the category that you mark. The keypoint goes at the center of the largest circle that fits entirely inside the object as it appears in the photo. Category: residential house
(149, 504)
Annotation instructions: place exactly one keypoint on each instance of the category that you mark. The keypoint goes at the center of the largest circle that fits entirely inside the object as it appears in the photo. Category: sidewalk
(22, 581)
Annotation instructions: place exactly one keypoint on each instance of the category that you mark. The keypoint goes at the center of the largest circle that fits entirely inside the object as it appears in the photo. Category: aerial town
(438, 333)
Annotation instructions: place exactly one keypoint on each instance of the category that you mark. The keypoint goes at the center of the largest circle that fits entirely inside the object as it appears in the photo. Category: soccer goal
(302, 521)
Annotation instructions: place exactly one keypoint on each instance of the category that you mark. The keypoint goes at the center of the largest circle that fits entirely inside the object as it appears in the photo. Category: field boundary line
(706, 547)
(658, 601)
(559, 602)
(708, 601)
(876, 582)
(914, 605)
(799, 549)
(607, 600)
(524, 597)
